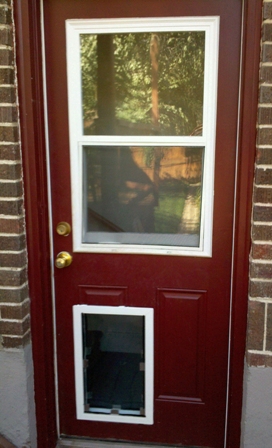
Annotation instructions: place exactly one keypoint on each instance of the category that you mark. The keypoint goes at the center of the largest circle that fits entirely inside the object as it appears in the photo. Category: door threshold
(86, 443)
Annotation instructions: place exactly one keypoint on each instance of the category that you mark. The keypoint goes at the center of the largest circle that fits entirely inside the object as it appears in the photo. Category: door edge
(242, 224)
(31, 113)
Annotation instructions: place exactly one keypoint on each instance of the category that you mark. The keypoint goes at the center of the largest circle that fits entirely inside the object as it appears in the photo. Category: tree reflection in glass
(142, 83)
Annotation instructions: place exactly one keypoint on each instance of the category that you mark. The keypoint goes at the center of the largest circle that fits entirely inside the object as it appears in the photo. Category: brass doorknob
(63, 260)
(63, 228)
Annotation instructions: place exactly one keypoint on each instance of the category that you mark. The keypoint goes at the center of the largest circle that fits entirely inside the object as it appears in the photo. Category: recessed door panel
(181, 342)
(142, 114)
(103, 295)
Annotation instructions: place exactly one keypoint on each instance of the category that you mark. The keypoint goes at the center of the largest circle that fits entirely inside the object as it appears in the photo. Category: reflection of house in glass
(144, 189)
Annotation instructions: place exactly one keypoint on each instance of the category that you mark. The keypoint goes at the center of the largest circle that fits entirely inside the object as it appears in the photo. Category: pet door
(114, 363)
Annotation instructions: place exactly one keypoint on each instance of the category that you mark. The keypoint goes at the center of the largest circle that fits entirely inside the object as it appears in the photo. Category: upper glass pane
(143, 83)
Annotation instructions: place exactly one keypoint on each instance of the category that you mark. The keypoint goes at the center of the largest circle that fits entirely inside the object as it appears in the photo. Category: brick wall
(259, 344)
(14, 301)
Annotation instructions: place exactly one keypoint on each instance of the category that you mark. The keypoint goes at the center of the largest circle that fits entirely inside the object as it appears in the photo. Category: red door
(188, 291)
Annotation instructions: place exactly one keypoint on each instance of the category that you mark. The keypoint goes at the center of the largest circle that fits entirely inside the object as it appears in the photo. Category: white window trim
(88, 26)
(148, 314)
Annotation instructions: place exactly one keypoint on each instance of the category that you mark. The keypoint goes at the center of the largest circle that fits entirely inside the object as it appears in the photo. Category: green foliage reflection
(180, 80)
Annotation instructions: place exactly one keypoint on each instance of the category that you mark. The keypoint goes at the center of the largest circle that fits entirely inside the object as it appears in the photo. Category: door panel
(190, 295)
(182, 317)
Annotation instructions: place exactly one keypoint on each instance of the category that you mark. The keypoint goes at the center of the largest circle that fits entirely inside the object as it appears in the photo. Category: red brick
(261, 270)
(7, 94)
(264, 136)
(262, 213)
(262, 195)
(255, 326)
(266, 75)
(9, 133)
(261, 251)
(12, 225)
(6, 76)
(265, 115)
(255, 359)
(6, 56)
(13, 278)
(269, 328)
(17, 295)
(14, 328)
(14, 312)
(262, 233)
(267, 10)
(13, 260)
(260, 289)
(12, 207)
(265, 94)
(15, 243)
(10, 171)
(267, 53)
(5, 16)
(264, 176)
(11, 189)
(10, 152)
(8, 114)
(267, 32)
(6, 37)
(15, 342)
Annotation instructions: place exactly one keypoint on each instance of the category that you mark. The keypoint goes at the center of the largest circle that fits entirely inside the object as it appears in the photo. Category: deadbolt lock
(63, 260)
(63, 228)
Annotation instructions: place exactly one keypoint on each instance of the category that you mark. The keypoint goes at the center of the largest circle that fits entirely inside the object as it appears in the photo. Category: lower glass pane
(113, 353)
(142, 195)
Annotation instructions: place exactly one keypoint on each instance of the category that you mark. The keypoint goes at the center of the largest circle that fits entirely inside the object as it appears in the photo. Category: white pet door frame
(114, 345)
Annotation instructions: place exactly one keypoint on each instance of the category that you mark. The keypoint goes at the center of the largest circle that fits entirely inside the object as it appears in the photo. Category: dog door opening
(116, 355)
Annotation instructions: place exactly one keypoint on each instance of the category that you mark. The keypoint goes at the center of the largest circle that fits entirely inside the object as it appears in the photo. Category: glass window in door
(142, 112)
